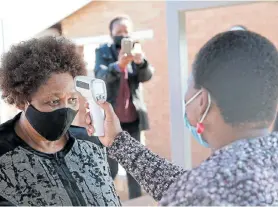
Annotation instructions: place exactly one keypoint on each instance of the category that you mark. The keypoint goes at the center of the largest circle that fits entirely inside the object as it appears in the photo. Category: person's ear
(203, 101)
(22, 106)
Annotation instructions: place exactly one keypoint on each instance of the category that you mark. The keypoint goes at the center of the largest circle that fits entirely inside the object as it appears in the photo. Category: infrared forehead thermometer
(94, 90)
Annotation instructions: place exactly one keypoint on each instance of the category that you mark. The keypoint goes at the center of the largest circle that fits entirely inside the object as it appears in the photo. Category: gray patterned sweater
(242, 173)
(78, 175)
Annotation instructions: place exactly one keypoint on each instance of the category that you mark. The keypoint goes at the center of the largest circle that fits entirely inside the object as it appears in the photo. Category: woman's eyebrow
(62, 94)
(50, 95)
(59, 93)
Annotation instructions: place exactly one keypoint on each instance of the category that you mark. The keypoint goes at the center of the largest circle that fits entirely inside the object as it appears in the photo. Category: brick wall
(201, 25)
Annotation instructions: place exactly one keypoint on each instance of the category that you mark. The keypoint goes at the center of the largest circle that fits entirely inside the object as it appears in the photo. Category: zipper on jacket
(75, 199)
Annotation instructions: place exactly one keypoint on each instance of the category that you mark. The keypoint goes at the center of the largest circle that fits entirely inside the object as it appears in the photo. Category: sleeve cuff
(117, 67)
(143, 64)
(120, 143)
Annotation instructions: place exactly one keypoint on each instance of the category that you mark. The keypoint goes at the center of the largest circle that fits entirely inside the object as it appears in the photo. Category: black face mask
(118, 41)
(50, 125)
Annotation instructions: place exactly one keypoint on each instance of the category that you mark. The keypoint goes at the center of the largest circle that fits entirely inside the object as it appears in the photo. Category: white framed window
(140, 35)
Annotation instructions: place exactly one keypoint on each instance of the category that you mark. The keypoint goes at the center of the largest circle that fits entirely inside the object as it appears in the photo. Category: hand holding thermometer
(94, 90)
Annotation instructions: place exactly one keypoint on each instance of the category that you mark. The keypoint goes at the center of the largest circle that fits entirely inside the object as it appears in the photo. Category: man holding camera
(123, 72)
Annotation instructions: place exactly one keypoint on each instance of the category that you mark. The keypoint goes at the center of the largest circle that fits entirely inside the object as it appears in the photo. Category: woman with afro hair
(43, 159)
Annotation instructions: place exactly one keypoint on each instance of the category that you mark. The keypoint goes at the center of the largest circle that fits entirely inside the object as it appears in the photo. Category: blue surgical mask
(198, 137)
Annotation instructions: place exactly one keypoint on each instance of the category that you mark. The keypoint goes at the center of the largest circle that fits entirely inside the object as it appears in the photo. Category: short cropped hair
(117, 20)
(240, 70)
(30, 64)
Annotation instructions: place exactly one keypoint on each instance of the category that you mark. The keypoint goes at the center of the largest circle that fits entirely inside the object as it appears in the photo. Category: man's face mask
(50, 125)
(197, 131)
(118, 41)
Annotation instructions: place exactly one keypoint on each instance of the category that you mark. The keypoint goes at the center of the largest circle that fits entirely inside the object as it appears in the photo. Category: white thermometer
(94, 90)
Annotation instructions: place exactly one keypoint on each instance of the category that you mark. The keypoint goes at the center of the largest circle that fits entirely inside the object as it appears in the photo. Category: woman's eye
(73, 100)
(54, 102)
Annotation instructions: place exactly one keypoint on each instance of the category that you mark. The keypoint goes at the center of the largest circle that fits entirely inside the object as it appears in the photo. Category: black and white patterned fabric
(78, 175)
(242, 173)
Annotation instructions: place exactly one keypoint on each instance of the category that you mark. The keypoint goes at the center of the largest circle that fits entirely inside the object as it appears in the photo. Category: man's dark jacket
(106, 60)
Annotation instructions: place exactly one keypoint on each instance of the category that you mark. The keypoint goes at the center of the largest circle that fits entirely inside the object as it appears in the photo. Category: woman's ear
(22, 106)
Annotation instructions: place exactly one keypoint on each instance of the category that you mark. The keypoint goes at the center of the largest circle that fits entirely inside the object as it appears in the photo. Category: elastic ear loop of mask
(207, 109)
(192, 98)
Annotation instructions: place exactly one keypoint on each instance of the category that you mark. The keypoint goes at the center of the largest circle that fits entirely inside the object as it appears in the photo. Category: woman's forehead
(57, 84)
